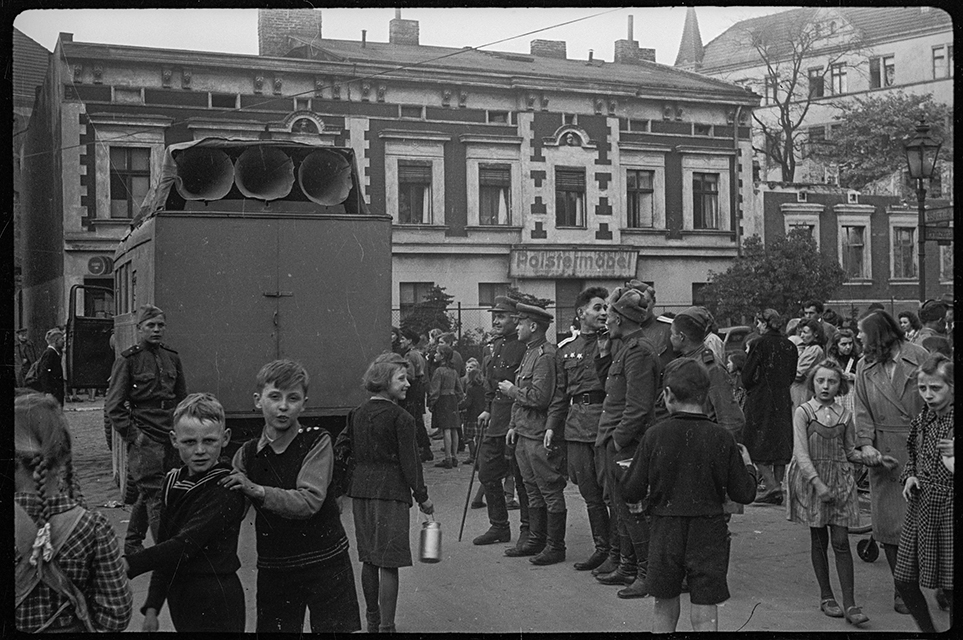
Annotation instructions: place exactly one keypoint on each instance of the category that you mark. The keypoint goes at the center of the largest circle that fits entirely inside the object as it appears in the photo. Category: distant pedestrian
(387, 475)
(822, 485)
(69, 574)
(887, 400)
(684, 468)
(932, 336)
(471, 405)
(24, 355)
(735, 363)
(925, 555)
(846, 352)
(443, 398)
(909, 323)
(50, 366)
(414, 402)
(768, 375)
(810, 352)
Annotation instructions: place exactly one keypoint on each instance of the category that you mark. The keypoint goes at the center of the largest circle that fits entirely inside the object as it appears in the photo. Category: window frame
(844, 221)
(770, 89)
(820, 76)
(650, 191)
(497, 289)
(413, 187)
(941, 50)
(580, 199)
(411, 147)
(507, 189)
(946, 276)
(125, 175)
(702, 161)
(700, 195)
(406, 308)
(837, 72)
(879, 78)
(897, 223)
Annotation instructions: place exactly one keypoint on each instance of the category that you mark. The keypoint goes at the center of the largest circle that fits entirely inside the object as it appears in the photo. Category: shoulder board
(129, 352)
(167, 348)
(664, 319)
(566, 341)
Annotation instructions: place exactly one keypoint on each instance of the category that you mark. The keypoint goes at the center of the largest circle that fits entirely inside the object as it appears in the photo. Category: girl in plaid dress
(822, 485)
(925, 556)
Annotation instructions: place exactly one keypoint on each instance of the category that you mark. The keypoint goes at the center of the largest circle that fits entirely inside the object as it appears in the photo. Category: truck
(257, 250)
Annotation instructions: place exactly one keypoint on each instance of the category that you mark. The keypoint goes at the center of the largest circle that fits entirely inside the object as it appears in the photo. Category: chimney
(631, 21)
(628, 52)
(364, 38)
(402, 31)
(590, 54)
(275, 26)
(66, 37)
(549, 49)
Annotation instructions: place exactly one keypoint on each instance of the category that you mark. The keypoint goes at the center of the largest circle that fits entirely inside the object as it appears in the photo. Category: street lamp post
(921, 153)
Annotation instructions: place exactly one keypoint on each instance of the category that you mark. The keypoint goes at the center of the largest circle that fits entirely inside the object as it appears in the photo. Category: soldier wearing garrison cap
(539, 451)
(632, 380)
(500, 361)
(146, 383)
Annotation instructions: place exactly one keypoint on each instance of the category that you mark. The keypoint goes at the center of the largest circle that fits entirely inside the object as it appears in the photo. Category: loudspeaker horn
(265, 173)
(203, 174)
(325, 177)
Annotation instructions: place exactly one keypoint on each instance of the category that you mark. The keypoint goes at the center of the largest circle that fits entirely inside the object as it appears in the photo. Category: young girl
(57, 537)
(810, 351)
(734, 364)
(443, 398)
(472, 405)
(822, 487)
(925, 554)
(387, 473)
(844, 350)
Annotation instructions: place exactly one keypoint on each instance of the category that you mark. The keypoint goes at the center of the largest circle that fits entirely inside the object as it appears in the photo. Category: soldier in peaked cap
(632, 378)
(539, 451)
(146, 383)
(500, 362)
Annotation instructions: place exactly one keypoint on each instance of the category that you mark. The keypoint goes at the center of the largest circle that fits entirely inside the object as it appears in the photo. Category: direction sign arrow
(939, 215)
(938, 233)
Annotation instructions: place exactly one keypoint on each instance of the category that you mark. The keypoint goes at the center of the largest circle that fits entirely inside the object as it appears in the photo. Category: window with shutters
(640, 200)
(414, 192)
(129, 180)
(494, 194)
(569, 197)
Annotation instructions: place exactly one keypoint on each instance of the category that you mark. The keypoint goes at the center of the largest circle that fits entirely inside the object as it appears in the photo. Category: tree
(779, 276)
(790, 49)
(868, 143)
(431, 312)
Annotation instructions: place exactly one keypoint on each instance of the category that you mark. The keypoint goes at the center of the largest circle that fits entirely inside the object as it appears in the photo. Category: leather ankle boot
(554, 551)
(599, 524)
(537, 524)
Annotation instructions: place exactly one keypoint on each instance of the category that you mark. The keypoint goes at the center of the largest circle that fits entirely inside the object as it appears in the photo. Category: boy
(195, 559)
(302, 550)
(684, 467)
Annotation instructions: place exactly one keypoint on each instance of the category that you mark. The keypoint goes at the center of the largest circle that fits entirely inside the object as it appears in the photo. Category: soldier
(654, 328)
(501, 362)
(576, 410)
(631, 383)
(147, 377)
(24, 355)
(539, 452)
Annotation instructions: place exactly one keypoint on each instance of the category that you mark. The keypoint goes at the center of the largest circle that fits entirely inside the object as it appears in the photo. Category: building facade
(499, 169)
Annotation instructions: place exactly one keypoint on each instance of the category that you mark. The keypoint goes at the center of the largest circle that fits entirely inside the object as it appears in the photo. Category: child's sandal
(855, 616)
(831, 608)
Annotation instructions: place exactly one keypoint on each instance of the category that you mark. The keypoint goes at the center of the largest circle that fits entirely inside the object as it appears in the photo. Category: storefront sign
(572, 263)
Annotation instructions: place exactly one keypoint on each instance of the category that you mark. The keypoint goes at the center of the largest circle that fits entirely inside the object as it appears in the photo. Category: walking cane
(474, 468)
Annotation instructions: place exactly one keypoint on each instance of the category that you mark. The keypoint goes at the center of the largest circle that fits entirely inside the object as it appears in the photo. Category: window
(904, 257)
(705, 200)
(223, 100)
(854, 251)
(837, 79)
(500, 117)
(129, 180)
(699, 294)
(487, 291)
(411, 293)
(494, 193)
(702, 129)
(946, 263)
(817, 140)
(97, 303)
(816, 82)
(302, 104)
(808, 228)
(410, 111)
(940, 67)
(640, 200)
(769, 90)
(569, 118)
(949, 60)
(569, 197)
(882, 72)
(414, 192)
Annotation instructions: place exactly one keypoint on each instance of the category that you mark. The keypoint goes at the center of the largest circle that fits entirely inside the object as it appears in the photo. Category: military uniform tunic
(151, 380)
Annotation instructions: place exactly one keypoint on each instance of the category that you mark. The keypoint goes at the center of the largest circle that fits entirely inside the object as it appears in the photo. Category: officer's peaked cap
(503, 303)
(531, 312)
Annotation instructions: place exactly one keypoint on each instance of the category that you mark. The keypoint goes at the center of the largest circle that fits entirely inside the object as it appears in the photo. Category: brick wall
(275, 25)
(403, 31)
(549, 49)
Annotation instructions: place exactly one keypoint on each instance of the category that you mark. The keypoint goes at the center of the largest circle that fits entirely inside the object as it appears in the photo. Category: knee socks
(819, 539)
(844, 563)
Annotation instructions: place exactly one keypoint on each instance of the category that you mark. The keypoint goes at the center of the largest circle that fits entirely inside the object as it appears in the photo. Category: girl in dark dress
(387, 473)
(769, 373)
(443, 398)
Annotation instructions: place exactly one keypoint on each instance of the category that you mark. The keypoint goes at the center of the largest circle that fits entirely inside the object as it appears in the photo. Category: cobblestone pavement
(478, 589)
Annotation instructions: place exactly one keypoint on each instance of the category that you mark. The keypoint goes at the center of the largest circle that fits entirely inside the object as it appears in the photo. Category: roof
(690, 47)
(872, 24)
(517, 67)
(30, 62)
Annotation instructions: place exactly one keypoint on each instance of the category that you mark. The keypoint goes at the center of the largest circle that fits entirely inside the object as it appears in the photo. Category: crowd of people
(665, 433)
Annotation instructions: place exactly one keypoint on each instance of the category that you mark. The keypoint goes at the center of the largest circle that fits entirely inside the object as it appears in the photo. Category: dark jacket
(630, 390)
(387, 465)
(577, 405)
(686, 465)
(533, 390)
(51, 374)
(151, 381)
(501, 362)
(24, 355)
(720, 405)
(768, 375)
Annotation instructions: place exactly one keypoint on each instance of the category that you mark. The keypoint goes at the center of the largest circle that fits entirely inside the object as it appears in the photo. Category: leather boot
(612, 562)
(554, 551)
(538, 523)
(599, 524)
(625, 573)
(497, 515)
(637, 588)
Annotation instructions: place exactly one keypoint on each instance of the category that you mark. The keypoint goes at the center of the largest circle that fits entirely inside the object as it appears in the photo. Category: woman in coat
(886, 402)
(809, 353)
(767, 376)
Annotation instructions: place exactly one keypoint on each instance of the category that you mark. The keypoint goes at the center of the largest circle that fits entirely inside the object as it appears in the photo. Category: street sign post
(943, 214)
(940, 234)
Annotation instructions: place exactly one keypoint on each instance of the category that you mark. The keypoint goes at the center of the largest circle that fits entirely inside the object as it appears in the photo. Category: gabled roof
(505, 67)
(871, 24)
(30, 62)
(690, 47)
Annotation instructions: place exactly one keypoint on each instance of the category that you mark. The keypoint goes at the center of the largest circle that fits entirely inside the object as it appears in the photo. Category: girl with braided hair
(69, 572)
